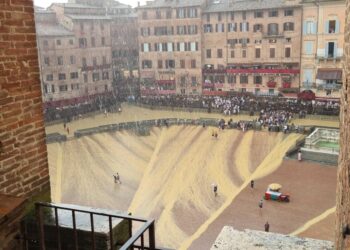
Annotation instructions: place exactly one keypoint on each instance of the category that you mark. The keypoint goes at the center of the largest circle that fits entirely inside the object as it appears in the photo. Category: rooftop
(49, 29)
(241, 5)
(171, 3)
(88, 17)
(231, 239)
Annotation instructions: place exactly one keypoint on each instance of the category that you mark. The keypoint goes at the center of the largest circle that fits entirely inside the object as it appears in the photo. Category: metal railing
(130, 244)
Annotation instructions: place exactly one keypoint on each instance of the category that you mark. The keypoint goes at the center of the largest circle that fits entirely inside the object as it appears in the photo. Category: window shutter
(337, 26)
(304, 28)
(196, 46)
(335, 50)
(326, 50)
(247, 26)
(216, 27)
(240, 26)
(326, 27)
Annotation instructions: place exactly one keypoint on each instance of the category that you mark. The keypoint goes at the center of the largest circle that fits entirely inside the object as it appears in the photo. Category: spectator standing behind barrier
(299, 155)
(252, 183)
(267, 226)
(261, 203)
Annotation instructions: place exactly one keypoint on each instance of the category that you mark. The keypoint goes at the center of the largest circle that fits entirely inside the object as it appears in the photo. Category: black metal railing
(136, 241)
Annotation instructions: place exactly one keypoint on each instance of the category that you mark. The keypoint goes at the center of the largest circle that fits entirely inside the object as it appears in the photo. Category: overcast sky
(46, 3)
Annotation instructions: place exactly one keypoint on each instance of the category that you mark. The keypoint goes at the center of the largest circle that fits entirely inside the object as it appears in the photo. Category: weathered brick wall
(23, 154)
(343, 189)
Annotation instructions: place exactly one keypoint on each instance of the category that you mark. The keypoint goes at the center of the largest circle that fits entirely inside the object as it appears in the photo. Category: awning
(329, 74)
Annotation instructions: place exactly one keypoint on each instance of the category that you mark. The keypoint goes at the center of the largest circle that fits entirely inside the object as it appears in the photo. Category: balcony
(271, 84)
(166, 82)
(214, 71)
(286, 85)
(96, 67)
(264, 71)
(273, 35)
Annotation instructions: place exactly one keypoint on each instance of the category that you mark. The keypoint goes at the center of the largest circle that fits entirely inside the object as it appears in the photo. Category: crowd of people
(230, 105)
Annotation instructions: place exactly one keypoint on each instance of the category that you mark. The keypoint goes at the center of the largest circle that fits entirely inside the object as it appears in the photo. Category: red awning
(329, 74)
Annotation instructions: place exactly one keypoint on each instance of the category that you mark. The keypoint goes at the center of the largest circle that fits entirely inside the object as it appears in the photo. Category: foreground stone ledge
(231, 239)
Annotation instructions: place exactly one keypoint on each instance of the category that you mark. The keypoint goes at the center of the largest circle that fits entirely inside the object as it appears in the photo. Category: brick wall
(343, 189)
(23, 156)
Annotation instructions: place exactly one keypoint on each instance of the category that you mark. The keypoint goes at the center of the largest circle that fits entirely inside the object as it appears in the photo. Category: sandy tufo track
(167, 175)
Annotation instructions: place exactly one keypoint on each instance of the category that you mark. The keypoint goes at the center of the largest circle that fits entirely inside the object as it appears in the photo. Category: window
(257, 52)
(96, 76)
(193, 64)
(272, 29)
(53, 88)
(192, 29)
(182, 64)
(257, 79)
(219, 53)
(232, 27)
(104, 60)
(331, 50)
(194, 80)
(105, 75)
(49, 77)
(45, 43)
(288, 12)
(258, 14)
(60, 60)
(309, 27)
(144, 15)
(158, 14)
(94, 61)
(244, 27)
(145, 47)
(219, 17)
(309, 47)
(74, 75)
(308, 75)
(231, 79)
(208, 28)
(273, 13)
(145, 31)
(93, 43)
(288, 26)
(332, 26)
(287, 52)
(232, 54)
(63, 88)
(168, 14)
(181, 46)
(103, 41)
(71, 42)
(244, 53)
(180, 13)
(84, 62)
(75, 86)
(170, 47)
(72, 59)
(146, 64)
(257, 28)
(208, 53)
(181, 30)
(58, 42)
(272, 52)
(81, 26)
(243, 79)
(82, 42)
(61, 76)
(170, 64)
(192, 12)
(160, 64)
(220, 27)
(86, 78)
(193, 46)
(47, 61)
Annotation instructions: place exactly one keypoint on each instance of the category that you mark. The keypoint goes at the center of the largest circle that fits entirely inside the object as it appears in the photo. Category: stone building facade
(251, 46)
(323, 46)
(80, 50)
(225, 46)
(342, 241)
(170, 44)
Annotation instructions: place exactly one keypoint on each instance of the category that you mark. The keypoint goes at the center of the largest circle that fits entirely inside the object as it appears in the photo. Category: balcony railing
(273, 35)
(264, 71)
(166, 82)
(136, 240)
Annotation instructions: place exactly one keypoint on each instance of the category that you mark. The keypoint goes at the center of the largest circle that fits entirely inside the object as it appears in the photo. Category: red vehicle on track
(273, 193)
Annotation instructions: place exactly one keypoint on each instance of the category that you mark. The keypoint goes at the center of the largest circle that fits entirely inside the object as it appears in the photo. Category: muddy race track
(168, 176)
